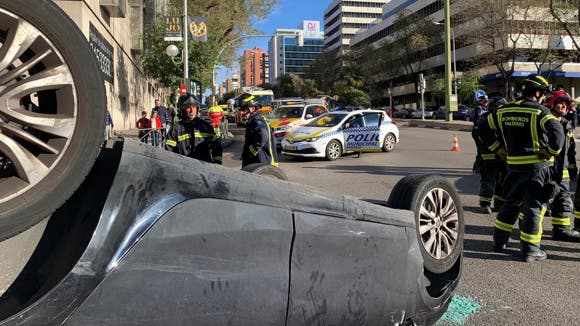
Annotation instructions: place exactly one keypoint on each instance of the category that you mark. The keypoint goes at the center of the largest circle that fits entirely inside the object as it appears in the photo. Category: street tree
(351, 86)
(565, 12)
(226, 22)
(288, 85)
(324, 71)
(512, 30)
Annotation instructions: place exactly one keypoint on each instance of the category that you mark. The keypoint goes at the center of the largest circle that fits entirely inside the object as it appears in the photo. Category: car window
(356, 121)
(373, 119)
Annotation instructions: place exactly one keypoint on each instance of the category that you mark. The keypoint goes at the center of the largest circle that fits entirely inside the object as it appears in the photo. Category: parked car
(401, 113)
(335, 133)
(286, 117)
(439, 113)
(418, 114)
(462, 113)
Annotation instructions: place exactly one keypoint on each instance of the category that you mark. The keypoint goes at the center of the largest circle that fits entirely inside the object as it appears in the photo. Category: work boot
(532, 256)
(499, 247)
(500, 241)
(485, 209)
(565, 234)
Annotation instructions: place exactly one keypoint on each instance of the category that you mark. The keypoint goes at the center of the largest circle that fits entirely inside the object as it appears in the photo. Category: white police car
(332, 134)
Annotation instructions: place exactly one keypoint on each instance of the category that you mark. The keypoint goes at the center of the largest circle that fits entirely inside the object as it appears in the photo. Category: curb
(437, 124)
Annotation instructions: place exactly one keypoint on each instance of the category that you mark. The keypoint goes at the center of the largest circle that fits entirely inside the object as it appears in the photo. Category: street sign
(173, 26)
(198, 28)
(182, 90)
(479, 93)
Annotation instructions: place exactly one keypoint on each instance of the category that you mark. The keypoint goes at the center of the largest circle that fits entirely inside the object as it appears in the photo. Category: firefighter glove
(543, 154)
(501, 154)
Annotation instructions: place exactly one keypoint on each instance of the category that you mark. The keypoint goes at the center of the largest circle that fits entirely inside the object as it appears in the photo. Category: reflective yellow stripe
(564, 221)
(171, 143)
(528, 159)
(534, 238)
(553, 151)
(272, 161)
(570, 134)
(488, 157)
(253, 150)
(521, 215)
(496, 197)
(565, 174)
(481, 198)
(494, 146)
(503, 226)
(491, 122)
(534, 131)
(576, 214)
(546, 119)
(183, 137)
(572, 166)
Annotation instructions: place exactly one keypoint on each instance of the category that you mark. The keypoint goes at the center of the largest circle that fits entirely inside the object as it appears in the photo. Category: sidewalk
(459, 125)
(134, 134)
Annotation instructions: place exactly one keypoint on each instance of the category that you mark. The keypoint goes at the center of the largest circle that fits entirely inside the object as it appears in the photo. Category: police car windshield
(288, 112)
(327, 120)
(264, 100)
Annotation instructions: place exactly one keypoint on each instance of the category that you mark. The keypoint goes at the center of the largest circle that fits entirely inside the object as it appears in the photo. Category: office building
(289, 57)
(343, 19)
(254, 68)
(468, 49)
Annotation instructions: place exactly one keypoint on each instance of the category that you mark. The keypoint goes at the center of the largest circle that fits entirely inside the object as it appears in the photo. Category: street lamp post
(172, 50)
(454, 61)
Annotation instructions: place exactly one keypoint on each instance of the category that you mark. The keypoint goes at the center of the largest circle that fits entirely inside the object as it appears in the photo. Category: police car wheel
(438, 217)
(389, 142)
(265, 169)
(333, 150)
(52, 111)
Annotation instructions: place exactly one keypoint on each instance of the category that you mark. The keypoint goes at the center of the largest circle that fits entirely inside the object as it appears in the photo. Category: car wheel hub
(438, 223)
(38, 105)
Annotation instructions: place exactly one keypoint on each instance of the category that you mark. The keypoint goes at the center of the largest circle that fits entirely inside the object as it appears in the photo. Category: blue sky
(287, 14)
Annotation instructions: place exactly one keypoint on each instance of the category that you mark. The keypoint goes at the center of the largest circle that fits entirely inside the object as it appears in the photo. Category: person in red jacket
(155, 128)
(143, 126)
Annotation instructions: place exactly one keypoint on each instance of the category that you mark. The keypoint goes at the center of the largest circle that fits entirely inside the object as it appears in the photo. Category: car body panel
(160, 239)
(298, 143)
(281, 126)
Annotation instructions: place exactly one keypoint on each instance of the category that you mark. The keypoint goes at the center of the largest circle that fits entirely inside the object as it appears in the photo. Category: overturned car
(192, 243)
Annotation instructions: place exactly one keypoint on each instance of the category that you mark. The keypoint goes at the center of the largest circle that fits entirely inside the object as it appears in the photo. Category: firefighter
(259, 145)
(493, 169)
(192, 136)
(564, 169)
(528, 136)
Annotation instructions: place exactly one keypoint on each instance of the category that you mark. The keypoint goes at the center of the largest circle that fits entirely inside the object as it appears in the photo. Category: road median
(436, 124)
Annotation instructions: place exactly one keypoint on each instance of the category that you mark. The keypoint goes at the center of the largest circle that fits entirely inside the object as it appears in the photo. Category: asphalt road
(509, 292)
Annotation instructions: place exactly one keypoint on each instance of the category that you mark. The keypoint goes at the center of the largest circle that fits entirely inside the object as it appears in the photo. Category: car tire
(62, 142)
(433, 194)
(333, 150)
(389, 142)
(265, 169)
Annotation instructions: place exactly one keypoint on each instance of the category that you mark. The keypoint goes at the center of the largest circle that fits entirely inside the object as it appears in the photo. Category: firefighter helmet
(536, 82)
(186, 100)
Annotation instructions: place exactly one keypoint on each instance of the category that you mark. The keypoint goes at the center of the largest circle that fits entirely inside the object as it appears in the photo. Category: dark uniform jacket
(524, 128)
(259, 146)
(485, 153)
(566, 160)
(195, 138)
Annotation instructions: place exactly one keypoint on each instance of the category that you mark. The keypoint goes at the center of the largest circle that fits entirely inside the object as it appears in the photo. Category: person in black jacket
(259, 144)
(192, 136)
(562, 207)
(528, 136)
(492, 169)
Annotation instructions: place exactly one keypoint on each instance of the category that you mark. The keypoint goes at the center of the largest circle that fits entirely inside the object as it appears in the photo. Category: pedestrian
(562, 207)
(155, 128)
(492, 169)
(215, 114)
(259, 144)
(528, 136)
(108, 126)
(164, 117)
(480, 109)
(172, 113)
(191, 136)
(143, 126)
